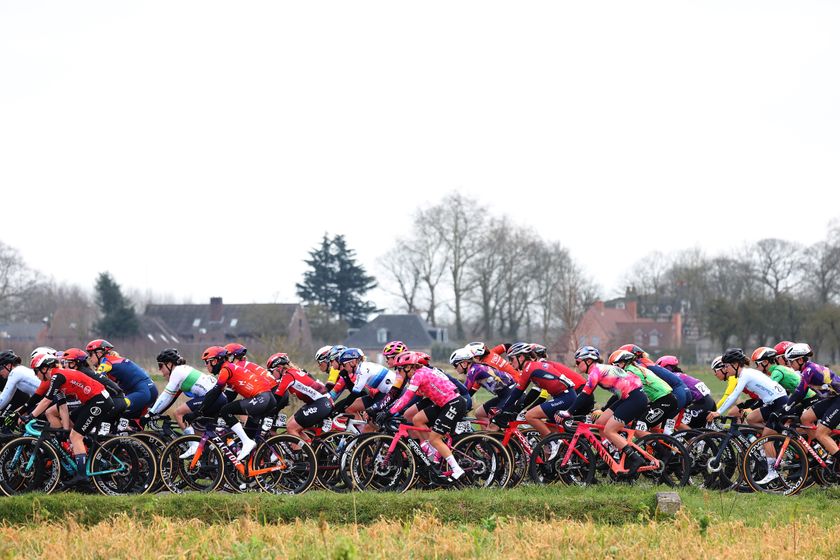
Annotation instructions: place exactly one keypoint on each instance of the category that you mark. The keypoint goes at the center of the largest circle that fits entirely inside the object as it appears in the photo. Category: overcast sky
(203, 148)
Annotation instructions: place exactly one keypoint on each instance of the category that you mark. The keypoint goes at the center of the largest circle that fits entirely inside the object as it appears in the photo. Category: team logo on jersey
(95, 411)
(86, 390)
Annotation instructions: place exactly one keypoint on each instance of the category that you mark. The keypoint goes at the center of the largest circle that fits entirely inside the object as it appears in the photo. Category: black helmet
(9, 357)
(734, 356)
(170, 356)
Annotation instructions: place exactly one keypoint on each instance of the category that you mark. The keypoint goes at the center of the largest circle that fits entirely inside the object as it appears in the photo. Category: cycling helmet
(781, 347)
(277, 360)
(393, 348)
(587, 353)
(350, 354)
(219, 352)
(540, 351)
(99, 344)
(43, 350)
(637, 351)
(424, 359)
(410, 359)
(668, 361)
(323, 354)
(460, 355)
(478, 349)
(9, 357)
(734, 356)
(717, 363)
(170, 356)
(75, 355)
(43, 361)
(798, 350)
(236, 350)
(520, 349)
(620, 356)
(763, 353)
(336, 351)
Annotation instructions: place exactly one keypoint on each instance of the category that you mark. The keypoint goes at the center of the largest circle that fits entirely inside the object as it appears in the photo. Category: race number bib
(463, 427)
(703, 389)
(280, 421)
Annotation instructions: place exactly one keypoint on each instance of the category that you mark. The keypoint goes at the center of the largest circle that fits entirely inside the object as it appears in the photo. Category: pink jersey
(613, 379)
(430, 384)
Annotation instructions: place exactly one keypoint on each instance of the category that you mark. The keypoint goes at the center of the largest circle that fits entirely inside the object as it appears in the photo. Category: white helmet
(44, 350)
(460, 355)
(798, 350)
(323, 354)
(477, 349)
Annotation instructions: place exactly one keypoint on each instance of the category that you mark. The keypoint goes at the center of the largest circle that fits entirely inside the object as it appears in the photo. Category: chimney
(599, 306)
(677, 323)
(216, 309)
(631, 310)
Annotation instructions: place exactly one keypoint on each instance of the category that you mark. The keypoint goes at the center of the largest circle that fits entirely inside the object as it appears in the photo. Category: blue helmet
(350, 354)
(336, 351)
(588, 353)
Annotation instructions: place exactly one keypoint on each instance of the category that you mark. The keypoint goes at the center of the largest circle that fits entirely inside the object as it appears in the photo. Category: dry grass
(422, 537)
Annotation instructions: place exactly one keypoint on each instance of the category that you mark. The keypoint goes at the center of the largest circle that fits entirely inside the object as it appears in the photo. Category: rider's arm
(8, 392)
(402, 402)
(733, 397)
(730, 386)
(165, 400)
(213, 394)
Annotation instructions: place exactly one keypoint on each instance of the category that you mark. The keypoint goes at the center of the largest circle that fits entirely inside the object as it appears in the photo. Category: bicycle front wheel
(123, 465)
(372, 467)
(792, 468)
(292, 463)
(27, 466)
(485, 461)
(548, 461)
(674, 466)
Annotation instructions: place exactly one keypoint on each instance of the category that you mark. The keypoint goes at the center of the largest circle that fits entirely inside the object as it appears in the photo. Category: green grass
(610, 504)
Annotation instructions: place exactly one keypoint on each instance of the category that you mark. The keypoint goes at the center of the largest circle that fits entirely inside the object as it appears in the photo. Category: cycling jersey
(126, 373)
(546, 376)
(681, 392)
(367, 375)
(300, 384)
(332, 377)
(183, 379)
(612, 378)
(256, 369)
(820, 378)
(766, 389)
(70, 382)
(730, 386)
(654, 387)
(247, 384)
(482, 375)
(20, 379)
(787, 378)
(428, 383)
(699, 391)
(498, 363)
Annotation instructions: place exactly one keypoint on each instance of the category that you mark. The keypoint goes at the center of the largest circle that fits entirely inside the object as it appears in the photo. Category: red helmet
(393, 348)
(782, 346)
(43, 360)
(621, 355)
(277, 360)
(214, 352)
(668, 361)
(633, 348)
(99, 344)
(236, 350)
(411, 359)
(74, 355)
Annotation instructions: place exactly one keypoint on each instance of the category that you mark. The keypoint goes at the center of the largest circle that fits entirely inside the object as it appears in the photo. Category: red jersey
(301, 385)
(246, 383)
(497, 362)
(70, 382)
(546, 376)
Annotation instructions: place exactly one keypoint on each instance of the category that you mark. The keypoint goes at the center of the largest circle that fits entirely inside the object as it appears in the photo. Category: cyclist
(317, 405)
(701, 402)
(140, 391)
(363, 376)
(445, 409)
(780, 351)
(322, 358)
(764, 359)
(662, 402)
(772, 395)
(678, 387)
(497, 383)
(236, 355)
(57, 382)
(76, 358)
(826, 412)
(181, 378)
(561, 384)
(492, 357)
(256, 391)
(630, 403)
(20, 381)
(333, 365)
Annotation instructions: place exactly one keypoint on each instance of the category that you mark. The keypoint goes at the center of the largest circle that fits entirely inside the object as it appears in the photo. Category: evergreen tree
(336, 282)
(118, 317)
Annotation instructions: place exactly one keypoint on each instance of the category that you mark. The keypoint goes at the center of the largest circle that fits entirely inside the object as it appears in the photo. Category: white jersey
(20, 379)
(373, 377)
(183, 379)
(755, 381)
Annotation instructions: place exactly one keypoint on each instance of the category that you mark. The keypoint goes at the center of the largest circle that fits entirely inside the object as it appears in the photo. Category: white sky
(133, 134)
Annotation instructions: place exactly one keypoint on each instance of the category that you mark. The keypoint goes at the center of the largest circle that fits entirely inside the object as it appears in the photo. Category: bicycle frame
(243, 469)
(585, 430)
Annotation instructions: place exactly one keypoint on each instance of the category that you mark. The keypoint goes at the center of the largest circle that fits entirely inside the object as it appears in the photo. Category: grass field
(532, 522)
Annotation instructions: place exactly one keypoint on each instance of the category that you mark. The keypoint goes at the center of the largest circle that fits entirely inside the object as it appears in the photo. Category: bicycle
(716, 455)
(280, 464)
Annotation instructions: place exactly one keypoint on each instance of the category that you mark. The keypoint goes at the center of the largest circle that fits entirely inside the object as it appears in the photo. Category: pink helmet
(668, 361)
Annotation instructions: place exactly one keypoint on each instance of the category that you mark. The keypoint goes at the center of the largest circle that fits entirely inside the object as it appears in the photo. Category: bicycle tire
(133, 461)
(793, 471)
(675, 466)
(367, 469)
(18, 475)
(486, 462)
(180, 476)
(300, 465)
(547, 469)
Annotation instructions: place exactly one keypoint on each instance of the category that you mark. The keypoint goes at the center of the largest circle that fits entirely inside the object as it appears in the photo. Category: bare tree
(575, 293)
(405, 274)
(648, 274)
(823, 279)
(483, 274)
(776, 264)
(18, 283)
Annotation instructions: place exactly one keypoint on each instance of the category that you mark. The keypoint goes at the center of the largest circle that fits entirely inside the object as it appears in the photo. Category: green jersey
(652, 385)
(787, 378)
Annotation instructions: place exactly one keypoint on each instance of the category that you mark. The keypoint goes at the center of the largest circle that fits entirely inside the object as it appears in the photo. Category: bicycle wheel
(519, 456)
(548, 462)
(486, 462)
(295, 459)
(674, 464)
(792, 469)
(157, 444)
(329, 452)
(27, 466)
(371, 467)
(715, 461)
(122, 465)
(204, 474)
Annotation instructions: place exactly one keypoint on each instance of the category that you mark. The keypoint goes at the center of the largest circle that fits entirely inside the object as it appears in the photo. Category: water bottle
(670, 425)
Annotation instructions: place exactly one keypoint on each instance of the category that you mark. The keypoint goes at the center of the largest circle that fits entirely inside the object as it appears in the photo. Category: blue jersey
(124, 372)
(680, 389)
